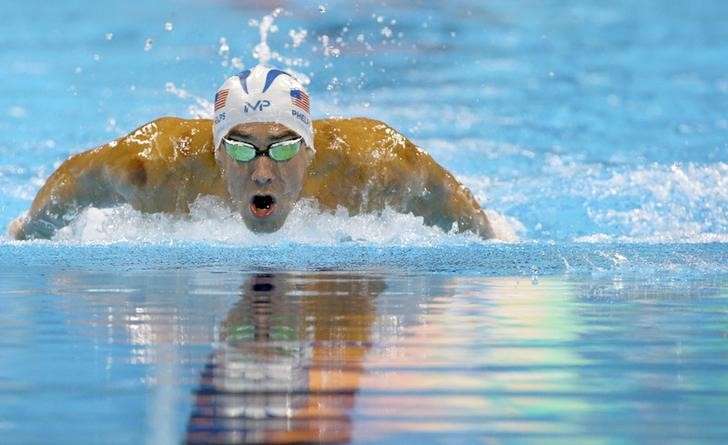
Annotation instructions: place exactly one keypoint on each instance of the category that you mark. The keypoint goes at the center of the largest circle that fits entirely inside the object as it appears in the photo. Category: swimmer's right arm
(143, 169)
(79, 182)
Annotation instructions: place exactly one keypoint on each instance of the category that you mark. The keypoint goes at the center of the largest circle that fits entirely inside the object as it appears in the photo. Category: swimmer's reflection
(289, 363)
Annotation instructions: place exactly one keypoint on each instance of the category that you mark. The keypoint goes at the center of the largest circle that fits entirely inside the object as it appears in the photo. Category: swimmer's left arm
(368, 165)
(441, 199)
(426, 188)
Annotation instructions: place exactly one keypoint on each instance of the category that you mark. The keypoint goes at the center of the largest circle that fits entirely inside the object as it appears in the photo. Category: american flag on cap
(300, 99)
(220, 99)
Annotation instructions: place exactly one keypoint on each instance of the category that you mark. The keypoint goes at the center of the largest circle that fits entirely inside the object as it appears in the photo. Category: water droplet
(97, 57)
(148, 44)
(224, 48)
(109, 35)
(237, 63)
(322, 9)
(297, 37)
(386, 32)
(168, 26)
(17, 112)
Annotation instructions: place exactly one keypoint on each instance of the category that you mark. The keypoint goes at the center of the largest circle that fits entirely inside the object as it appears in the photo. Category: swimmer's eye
(280, 151)
(284, 151)
(240, 151)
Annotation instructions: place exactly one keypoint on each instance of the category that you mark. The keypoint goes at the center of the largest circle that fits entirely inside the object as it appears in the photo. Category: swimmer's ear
(309, 153)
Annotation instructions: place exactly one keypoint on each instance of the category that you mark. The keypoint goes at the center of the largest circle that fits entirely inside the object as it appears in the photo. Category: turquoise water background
(595, 133)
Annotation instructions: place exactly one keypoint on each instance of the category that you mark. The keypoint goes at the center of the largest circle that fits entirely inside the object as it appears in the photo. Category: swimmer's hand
(15, 230)
(25, 228)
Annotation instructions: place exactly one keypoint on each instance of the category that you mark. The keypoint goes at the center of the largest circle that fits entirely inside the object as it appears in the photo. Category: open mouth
(262, 206)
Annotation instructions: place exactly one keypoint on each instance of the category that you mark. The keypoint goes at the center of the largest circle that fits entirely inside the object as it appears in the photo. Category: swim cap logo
(272, 75)
(259, 105)
(263, 95)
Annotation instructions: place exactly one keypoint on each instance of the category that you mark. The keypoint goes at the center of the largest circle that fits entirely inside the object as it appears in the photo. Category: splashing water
(211, 221)
(264, 54)
(201, 109)
(262, 51)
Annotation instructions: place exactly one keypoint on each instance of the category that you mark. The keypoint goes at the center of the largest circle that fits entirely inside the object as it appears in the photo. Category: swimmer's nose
(263, 173)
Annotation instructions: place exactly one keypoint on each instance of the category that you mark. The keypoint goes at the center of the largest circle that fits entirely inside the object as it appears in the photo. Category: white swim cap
(262, 94)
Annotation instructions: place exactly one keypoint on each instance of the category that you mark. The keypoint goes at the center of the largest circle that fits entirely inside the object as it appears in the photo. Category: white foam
(659, 238)
(679, 203)
(212, 222)
(506, 228)
(654, 203)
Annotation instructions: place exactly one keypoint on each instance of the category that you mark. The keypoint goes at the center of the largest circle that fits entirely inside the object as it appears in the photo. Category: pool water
(595, 134)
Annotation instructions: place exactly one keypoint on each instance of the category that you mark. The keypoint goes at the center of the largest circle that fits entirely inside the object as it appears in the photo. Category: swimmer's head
(263, 138)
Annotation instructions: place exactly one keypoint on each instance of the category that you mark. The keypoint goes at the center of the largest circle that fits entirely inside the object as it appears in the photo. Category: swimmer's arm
(442, 200)
(143, 169)
(79, 182)
(387, 169)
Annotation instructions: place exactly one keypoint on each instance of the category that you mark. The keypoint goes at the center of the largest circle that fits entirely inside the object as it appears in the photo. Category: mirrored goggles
(280, 151)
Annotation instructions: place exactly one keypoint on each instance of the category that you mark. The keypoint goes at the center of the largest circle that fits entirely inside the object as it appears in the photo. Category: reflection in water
(289, 363)
(339, 357)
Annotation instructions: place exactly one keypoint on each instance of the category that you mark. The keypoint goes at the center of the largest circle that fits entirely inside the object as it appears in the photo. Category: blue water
(595, 133)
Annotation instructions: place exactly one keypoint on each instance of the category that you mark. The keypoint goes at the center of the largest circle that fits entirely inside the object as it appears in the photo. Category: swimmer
(260, 155)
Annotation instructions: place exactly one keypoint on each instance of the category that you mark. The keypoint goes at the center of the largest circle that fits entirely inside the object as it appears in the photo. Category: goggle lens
(284, 151)
(240, 151)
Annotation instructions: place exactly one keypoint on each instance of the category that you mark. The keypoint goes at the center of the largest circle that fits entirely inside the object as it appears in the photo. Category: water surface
(222, 356)
(593, 132)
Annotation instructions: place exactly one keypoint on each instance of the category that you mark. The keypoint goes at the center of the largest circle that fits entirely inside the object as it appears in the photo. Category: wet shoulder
(165, 151)
(362, 142)
(168, 139)
(359, 161)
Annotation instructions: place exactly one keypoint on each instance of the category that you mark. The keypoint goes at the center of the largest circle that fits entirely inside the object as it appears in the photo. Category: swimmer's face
(263, 190)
